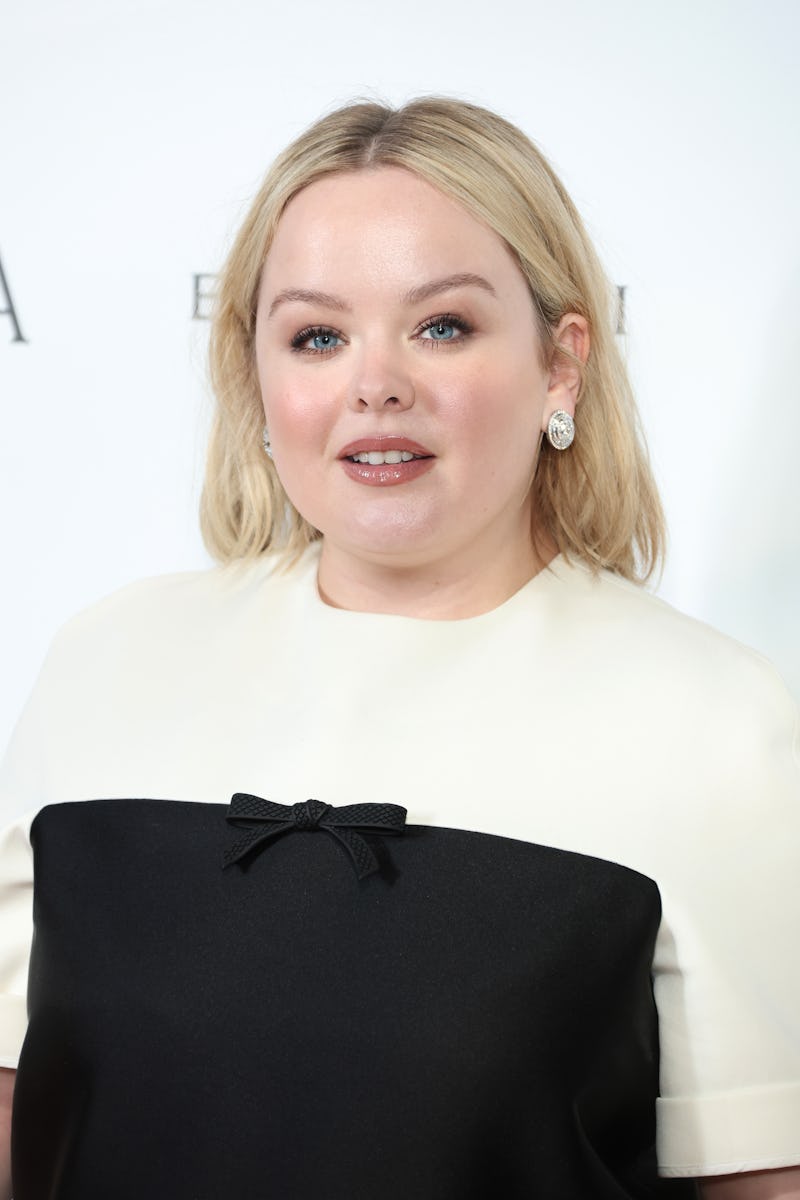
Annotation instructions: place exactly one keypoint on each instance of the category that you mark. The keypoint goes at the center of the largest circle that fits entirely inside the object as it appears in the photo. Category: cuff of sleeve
(13, 1024)
(755, 1129)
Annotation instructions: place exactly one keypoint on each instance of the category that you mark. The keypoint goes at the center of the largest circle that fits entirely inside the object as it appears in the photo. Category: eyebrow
(416, 295)
(307, 296)
(463, 279)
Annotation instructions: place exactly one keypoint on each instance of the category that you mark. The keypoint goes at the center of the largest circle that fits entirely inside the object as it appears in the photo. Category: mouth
(385, 461)
(377, 458)
(385, 449)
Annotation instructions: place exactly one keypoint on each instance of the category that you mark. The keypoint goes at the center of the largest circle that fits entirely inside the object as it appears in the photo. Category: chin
(400, 542)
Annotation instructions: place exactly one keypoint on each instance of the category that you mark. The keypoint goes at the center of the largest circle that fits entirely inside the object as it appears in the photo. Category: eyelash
(446, 319)
(320, 330)
(309, 332)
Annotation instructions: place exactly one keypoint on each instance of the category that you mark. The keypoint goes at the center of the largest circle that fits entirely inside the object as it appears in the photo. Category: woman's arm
(7, 1078)
(783, 1184)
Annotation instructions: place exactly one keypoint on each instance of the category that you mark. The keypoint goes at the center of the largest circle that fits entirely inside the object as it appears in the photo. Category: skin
(7, 1078)
(455, 541)
(754, 1185)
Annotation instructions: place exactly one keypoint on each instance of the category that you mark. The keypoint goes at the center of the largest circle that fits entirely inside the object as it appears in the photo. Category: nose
(380, 383)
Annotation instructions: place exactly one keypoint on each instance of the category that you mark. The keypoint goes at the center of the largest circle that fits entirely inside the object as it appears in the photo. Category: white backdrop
(135, 131)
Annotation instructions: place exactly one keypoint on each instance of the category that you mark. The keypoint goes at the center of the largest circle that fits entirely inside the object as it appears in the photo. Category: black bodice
(473, 1020)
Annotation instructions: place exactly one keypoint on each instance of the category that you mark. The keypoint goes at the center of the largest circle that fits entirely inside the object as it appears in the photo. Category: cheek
(296, 414)
(497, 409)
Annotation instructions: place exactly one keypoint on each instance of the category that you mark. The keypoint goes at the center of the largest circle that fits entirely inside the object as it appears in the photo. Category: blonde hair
(597, 501)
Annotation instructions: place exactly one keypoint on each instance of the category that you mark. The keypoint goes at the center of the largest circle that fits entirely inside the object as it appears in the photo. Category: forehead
(379, 225)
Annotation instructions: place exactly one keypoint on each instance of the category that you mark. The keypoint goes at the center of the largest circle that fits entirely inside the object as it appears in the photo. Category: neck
(460, 587)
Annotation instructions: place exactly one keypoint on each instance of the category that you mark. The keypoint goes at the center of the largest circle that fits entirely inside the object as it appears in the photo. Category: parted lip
(382, 442)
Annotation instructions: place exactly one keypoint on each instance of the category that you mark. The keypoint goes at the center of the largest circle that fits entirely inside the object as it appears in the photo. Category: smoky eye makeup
(323, 340)
(445, 329)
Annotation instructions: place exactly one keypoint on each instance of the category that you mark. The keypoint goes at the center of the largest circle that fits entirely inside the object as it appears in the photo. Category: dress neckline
(305, 572)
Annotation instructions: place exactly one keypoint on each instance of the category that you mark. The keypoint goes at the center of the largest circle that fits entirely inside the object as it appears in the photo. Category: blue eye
(322, 340)
(445, 328)
(441, 332)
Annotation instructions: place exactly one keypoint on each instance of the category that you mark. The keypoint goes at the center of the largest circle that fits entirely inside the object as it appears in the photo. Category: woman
(533, 786)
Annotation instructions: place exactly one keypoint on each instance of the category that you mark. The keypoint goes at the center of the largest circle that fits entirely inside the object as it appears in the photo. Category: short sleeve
(22, 793)
(728, 981)
(16, 927)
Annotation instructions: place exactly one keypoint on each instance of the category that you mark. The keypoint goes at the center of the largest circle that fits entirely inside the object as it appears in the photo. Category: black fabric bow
(264, 820)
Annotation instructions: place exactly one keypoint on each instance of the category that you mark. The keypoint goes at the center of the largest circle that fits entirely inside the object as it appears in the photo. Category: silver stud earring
(560, 430)
(267, 443)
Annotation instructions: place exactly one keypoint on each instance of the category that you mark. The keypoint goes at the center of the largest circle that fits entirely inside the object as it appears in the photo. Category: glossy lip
(383, 442)
(387, 474)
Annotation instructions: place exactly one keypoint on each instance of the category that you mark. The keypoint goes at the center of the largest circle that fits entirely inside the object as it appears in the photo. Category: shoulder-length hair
(597, 500)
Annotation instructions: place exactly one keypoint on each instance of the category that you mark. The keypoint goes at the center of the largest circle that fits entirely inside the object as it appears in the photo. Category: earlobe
(571, 343)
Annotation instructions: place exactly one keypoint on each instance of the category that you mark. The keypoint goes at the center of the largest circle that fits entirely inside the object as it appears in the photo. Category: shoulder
(184, 591)
(183, 604)
(153, 630)
(635, 625)
(679, 667)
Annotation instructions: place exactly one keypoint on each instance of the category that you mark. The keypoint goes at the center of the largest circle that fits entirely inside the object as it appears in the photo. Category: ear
(570, 351)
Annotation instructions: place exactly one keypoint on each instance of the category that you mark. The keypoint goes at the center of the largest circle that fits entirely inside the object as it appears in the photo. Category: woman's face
(401, 373)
